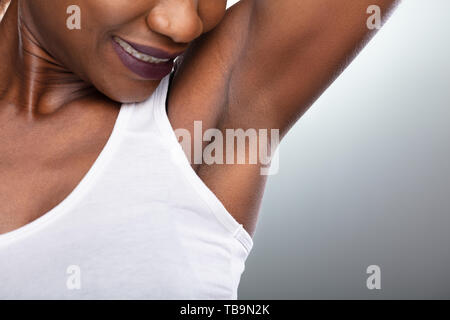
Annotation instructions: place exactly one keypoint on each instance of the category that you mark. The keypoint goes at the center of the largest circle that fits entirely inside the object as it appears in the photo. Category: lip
(146, 70)
(154, 52)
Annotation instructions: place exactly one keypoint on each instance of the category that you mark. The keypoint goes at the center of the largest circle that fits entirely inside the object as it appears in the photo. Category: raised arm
(290, 51)
(262, 68)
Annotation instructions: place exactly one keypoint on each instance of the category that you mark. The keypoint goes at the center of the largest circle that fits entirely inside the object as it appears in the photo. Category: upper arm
(261, 68)
(289, 53)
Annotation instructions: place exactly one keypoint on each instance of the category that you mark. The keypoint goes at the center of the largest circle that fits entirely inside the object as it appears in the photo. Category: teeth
(138, 55)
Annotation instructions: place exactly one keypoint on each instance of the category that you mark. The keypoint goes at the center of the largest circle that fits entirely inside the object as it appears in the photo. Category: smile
(137, 54)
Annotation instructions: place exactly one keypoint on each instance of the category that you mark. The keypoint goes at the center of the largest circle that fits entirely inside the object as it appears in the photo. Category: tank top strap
(143, 113)
(150, 118)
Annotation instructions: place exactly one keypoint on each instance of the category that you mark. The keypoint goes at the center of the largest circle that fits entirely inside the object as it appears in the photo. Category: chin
(130, 93)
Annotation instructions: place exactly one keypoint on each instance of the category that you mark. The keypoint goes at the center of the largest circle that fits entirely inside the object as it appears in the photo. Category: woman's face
(116, 46)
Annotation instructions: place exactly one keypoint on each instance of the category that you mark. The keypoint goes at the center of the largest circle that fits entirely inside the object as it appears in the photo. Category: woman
(97, 197)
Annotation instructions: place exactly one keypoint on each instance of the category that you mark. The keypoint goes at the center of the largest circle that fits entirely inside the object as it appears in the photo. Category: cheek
(211, 12)
(80, 50)
(98, 14)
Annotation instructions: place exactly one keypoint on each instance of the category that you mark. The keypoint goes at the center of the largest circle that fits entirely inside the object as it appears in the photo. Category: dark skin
(259, 65)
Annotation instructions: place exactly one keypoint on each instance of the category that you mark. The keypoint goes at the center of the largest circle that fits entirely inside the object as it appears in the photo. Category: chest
(131, 231)
(129, 255)
(41, 165)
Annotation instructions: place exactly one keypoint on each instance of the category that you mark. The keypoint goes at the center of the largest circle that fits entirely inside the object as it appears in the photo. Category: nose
(176, 19)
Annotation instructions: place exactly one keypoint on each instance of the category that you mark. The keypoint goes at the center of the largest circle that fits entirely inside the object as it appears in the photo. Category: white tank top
(140, 225)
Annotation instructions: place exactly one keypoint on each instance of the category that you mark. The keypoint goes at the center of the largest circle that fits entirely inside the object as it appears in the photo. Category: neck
(33, 81)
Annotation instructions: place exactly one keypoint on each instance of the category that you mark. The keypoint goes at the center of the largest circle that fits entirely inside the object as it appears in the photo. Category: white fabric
(140, 225)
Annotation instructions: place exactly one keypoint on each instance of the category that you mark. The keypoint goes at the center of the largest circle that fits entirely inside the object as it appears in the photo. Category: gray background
(365, 176)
